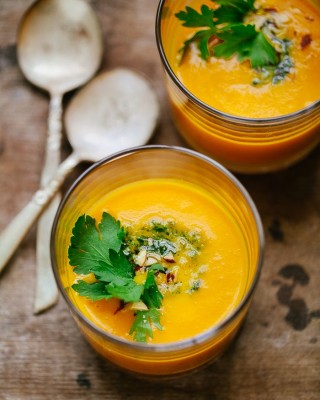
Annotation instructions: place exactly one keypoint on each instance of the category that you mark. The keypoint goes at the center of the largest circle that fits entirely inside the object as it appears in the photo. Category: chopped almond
(139, 306)
(151, 261)
(141, 258)
(169, 257)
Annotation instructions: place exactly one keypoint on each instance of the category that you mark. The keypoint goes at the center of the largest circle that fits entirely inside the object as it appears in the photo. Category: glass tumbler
(169, 359)
(245, 145)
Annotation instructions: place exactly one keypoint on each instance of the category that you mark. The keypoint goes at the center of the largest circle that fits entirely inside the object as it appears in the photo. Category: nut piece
(152, 258)
(141, 258)
(169, 257)
(151, 261)
(139, 306)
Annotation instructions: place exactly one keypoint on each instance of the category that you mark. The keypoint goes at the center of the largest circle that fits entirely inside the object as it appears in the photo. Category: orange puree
(222, 262)
(227, 84)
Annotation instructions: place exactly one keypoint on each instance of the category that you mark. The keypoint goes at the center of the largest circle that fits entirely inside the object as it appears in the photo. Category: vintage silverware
(59, 48)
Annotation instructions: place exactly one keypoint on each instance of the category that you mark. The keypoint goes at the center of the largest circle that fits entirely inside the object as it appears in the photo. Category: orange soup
(234, 87)
(196, 240)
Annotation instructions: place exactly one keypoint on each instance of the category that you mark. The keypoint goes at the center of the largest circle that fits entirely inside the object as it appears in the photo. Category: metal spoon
(59, 48)
(116, 110)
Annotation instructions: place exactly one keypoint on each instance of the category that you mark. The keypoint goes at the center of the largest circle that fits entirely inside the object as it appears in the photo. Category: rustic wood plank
(277, 354)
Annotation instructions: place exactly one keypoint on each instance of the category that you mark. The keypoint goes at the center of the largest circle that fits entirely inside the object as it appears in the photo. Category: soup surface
(230, 86)
(196, 239)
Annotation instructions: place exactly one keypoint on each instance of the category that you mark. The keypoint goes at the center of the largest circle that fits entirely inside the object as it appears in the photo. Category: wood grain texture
(277, 354)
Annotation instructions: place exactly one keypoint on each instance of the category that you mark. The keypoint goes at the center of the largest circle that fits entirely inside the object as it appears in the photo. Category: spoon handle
(13, 234)
(46, 293)
(52, 158)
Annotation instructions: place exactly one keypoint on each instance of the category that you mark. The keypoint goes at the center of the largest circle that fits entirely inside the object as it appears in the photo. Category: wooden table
(277, 355)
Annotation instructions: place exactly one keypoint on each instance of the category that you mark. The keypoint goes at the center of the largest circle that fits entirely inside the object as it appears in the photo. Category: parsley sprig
(223, 34)
(97, 250)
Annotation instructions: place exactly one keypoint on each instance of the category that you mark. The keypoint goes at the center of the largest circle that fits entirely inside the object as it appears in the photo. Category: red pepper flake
(309, 18)
(305, 41)
(270, 9)
(170, 277)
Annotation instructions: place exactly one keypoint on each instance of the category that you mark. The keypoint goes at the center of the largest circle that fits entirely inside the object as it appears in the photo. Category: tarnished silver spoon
(59, 48)
(116, 110)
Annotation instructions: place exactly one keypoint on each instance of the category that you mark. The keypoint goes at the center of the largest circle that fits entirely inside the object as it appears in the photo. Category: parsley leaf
(191, 18)
(141, 329)
(94, 291)
(111, 273)
(247, 43)
(151, 296)
(111, 232)
(232, 11)
(129, 292)
(202, 38)
(97, 250)
(121, 263)
(157, 268)
(90, 245)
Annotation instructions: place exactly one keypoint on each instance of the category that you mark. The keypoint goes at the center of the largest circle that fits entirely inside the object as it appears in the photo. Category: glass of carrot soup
(157, 251)
(243, 78)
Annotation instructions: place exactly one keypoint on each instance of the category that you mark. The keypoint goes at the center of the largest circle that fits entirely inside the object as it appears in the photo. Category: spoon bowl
(116, 110)
(59, 44)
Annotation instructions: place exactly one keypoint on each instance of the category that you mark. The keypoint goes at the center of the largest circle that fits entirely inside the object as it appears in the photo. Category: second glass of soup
(251, 119)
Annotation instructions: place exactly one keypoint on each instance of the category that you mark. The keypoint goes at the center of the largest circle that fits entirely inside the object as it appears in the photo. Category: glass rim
(201, 337)
(290, 117)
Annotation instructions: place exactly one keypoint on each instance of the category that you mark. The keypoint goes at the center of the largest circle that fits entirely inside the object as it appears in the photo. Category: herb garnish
(97, 250)
(225, 32)
(135, 265)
